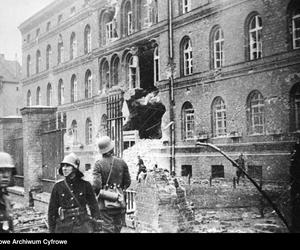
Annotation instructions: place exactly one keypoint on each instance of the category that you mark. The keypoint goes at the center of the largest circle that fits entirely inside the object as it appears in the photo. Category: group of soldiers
(76, 205)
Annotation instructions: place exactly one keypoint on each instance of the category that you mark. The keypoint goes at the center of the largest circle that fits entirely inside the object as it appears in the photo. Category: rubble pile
(142, 148)
(29, 220)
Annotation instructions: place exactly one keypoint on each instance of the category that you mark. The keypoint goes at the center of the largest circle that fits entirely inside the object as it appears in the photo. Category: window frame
(294, 31)
(256, 107)
(257, 30)
(219, 117)
(218, 62)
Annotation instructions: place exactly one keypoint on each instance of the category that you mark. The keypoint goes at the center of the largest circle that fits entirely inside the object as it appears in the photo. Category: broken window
(151, 12)
(187, 170)
(128, 19)
(88, 84)
(103, 125)
(256, 113)
(74, 91)
(188, 121)
(48, 55)
(255, 37)
(38, 96)
(73, 46)
(218, 47)
(217, 171)
(49, 95)
(28, 98)
(133, 71)
(87, 39)
(219, 117)
(61, 92)
(38, 61)
(156, 65)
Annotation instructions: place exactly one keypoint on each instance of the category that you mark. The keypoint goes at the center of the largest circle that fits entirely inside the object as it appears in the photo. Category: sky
(12, 14)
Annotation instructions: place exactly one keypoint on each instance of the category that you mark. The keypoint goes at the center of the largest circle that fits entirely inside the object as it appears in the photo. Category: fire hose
(273, 205)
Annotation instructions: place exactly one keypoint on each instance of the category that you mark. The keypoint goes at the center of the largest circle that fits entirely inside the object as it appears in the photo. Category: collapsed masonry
(144, 111)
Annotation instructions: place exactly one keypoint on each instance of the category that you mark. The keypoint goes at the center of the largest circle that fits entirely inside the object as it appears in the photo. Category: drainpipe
(171, 88)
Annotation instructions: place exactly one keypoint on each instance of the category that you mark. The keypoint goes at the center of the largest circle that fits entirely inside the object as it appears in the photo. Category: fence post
(234, 183)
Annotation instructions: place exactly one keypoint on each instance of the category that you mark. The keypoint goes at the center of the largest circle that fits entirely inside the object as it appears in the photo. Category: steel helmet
(105, 144)
(6, 160)
(70, 159)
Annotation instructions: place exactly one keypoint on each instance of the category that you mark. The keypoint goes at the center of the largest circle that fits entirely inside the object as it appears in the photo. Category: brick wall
(32, 119)
(160, 207)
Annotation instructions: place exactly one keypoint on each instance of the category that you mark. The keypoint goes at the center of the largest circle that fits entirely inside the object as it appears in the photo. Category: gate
(52, 134)
(115, 120)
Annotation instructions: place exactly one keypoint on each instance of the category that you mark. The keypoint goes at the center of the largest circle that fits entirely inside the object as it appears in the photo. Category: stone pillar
(32, 145)
(161, 207)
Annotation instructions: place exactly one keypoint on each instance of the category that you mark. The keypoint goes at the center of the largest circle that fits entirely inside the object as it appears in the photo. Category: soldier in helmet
(110, 172)
(6, 171)
(67, 212)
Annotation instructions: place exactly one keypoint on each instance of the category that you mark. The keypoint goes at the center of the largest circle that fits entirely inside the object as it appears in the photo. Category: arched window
(60, 48)
(256, 113)
(87, 39)
(218, 112)
(73, 46)
(218, 48)
(88, 132)
(38, 61)
(48, 56)
(188, 121)
(294, 24)
(128, 19)
(61, 92)
(156, 65)
(28, 98)
(74, 130)
(186, 56)
(115, 70)
(295, 107)
(255, 37)
(103, 125)
(28, 65)
(49, 95)
(74, 89)
(131, 69)
(104, 75)
(38, 96)
(88, 84)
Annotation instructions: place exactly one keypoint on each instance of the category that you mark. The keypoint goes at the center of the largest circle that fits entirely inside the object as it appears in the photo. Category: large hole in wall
(145, 114)
(144, 107)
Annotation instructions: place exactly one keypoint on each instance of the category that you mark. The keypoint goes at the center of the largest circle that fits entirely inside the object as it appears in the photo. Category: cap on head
(105, 145)
(6, 160)
(70, 159)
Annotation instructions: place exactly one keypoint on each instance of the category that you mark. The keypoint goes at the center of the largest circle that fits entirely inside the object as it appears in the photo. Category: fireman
(6, 171)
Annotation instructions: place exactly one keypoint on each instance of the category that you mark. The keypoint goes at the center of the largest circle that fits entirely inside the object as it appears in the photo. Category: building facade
(226, 71)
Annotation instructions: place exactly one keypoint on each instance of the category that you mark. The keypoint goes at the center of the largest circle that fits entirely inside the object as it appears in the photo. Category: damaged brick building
(222, 71)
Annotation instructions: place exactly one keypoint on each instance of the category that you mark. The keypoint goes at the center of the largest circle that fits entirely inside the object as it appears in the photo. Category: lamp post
(251, 180)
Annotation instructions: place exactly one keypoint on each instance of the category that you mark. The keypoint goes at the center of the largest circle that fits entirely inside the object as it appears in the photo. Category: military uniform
(64, 214)
(6, 219)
